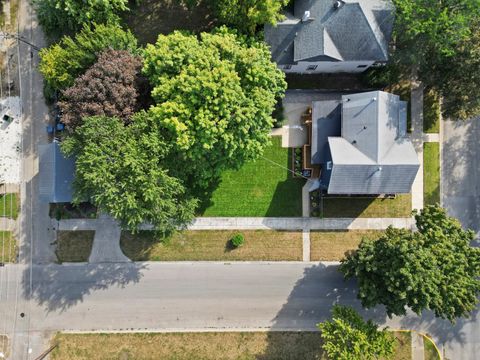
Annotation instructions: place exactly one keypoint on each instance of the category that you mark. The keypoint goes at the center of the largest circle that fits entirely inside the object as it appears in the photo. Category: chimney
(338, 4)
(306, 16)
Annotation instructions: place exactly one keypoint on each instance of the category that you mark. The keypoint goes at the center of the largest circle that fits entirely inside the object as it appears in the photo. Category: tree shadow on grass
(149, 18)
(57, 287)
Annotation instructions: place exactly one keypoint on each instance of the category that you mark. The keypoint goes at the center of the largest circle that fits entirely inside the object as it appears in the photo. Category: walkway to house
(7, 224)
(106, 244)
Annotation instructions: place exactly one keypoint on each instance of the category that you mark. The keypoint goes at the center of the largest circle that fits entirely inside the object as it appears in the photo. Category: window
(329, 165)
(287, 67)
(312, 67)
(362, 66)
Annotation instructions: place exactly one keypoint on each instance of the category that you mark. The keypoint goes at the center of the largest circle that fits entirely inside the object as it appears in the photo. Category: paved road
(461, 171)
(186, 296)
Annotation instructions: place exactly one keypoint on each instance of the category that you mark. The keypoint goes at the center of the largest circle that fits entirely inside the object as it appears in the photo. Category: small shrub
(237, 240)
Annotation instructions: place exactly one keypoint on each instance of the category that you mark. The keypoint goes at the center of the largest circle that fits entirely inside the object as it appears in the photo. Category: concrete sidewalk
(106, 244)
(264, 223)
(7, 224)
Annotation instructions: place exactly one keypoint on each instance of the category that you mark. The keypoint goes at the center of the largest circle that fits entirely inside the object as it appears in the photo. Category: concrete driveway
(461, 172)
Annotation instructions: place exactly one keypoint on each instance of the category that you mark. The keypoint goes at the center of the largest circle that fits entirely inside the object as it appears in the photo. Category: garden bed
(210, 245)
(62, 211)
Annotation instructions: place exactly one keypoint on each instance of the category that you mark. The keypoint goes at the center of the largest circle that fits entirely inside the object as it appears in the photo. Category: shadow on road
(56, 287)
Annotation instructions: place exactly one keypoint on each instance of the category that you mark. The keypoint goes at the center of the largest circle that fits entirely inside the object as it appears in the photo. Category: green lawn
(431, 112)
(431, 173)
(334, 245)
(74, 246)
(205, 346)
(260, 188)
(8, 247)
(351, 207)
(9, 205)
(430, 351)
(210, 245)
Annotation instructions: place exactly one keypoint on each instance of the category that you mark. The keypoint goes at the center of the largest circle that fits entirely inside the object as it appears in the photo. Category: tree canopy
(246, 15)
(434, 268)
(63, 62)
(119, 170)
(347, 336)
(109, 88)
(440, 42)
(214, 96)
(55, 15)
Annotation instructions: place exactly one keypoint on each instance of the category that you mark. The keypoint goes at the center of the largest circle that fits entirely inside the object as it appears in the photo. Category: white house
(327, 36)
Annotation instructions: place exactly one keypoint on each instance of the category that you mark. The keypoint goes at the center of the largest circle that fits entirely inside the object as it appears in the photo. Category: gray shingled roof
(56, 174)
(358, 30)
(374, 155)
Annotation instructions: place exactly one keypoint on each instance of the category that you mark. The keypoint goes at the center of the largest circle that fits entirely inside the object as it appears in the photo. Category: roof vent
(379, 169)
(338, 4)
(354, 142)
(306, 17)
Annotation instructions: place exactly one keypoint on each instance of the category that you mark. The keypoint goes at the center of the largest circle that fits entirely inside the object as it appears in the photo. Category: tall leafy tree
(119, 170)
(348, 337)
(61, 15)
(109, 88)
(434, 268)
(214, 98)
(247, 15)
(62, 63)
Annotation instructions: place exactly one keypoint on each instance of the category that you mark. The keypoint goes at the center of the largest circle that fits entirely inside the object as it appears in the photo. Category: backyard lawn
(8, 247)
(431, 173)
(148, 18)
(431, 112)
(9, 205)
(205, 346)
(210, 245)
(74, 246)
(261, 188)
(351, 207)
(333, 245)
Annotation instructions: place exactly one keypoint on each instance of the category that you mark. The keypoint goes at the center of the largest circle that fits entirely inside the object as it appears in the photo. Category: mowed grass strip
(430, 352)
(9, 205)
(260, 188)
(74, 246)
(211, 245)
(8, 247)
(204, 346)
(352, 207)
(188, 346)
(431, 173)
(431, 112)
(334, 245)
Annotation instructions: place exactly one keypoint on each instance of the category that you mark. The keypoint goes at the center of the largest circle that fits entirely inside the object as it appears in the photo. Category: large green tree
(62, 63)
(119, 170)
(247, 15)
(434, 268)
(439, 41)
(214, 97)
(62, 15)
(348, 337)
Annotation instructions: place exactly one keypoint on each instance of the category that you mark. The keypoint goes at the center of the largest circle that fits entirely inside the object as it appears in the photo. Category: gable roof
(358, 30)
